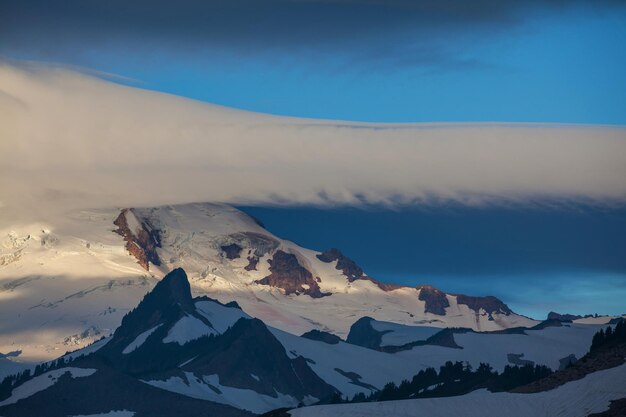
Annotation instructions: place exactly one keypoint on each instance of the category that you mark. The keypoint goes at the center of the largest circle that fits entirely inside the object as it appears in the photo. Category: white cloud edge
(70, 140)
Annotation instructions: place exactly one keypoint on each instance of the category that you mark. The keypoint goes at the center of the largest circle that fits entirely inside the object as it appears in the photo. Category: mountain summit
(84, 271)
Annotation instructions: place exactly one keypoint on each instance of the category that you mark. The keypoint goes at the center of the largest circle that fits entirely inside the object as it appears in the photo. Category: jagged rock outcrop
(231, 251)
(253, 261)
(351, 270)
(436, 300)
(245, 349)
(346, 265)
(245, 355)
(563, 317)
(249, 244)
(489, 304)
(363, 334)
(142, 240)
(322, 336)
(289, 275)
(249, 348)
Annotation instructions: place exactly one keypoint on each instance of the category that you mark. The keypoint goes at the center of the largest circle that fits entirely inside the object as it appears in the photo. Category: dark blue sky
(568, 258)
(393, 60)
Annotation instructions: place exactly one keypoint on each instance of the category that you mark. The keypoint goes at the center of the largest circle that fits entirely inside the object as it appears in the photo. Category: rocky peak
(249, 348)
(563, 317)
(322, 336)
(174, 288)
(489, 303)
(167, 302)
(436, 300)
(349, 268)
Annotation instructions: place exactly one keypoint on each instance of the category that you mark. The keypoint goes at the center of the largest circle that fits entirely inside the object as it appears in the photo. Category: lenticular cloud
(71, 140)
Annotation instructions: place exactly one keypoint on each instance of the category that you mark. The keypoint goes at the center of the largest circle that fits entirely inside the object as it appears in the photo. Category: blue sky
(388, 61)
(538, 259)
(492, 61)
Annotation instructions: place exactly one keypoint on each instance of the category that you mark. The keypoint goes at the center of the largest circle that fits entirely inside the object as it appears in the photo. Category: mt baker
(272, 325)
(77, 276)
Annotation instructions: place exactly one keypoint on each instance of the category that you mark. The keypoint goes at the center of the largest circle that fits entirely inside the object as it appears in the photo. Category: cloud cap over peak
(72, 140)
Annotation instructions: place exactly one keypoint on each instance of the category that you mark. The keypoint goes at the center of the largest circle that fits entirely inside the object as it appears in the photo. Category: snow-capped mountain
(214, 358)
(76, 276)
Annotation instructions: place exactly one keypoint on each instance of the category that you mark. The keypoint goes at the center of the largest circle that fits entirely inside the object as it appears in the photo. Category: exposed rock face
(166, 303)
(443, 338)
(349, 268)
(231, 251)
(141, 242)
(288, 274)
(489, 303)
(363, 334)
(247, 348)
(250, 348)
(321, 336)
(563, 317)
(254, 246)
(246, 355)
(253, 261)
(436, 300)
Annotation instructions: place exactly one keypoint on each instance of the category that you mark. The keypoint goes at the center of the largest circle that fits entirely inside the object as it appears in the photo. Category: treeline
(609, 337)
(12, 381)
(460, 378)
(456, 378)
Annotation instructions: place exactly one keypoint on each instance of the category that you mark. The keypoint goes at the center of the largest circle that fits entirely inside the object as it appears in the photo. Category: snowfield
(139, 340)
(374, 369)
(580, 398)
(546, 346)
(187, 329)
(209, 388)
(73, 277)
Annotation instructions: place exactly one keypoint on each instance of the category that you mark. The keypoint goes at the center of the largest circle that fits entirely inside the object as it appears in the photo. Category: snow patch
(209, 388)
(114, 413)
(43, 382)
(133, 223)
(187, 329)
(139, 340)
(221, 317)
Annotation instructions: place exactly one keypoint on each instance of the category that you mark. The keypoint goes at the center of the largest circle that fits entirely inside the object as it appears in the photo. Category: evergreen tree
(598, 340)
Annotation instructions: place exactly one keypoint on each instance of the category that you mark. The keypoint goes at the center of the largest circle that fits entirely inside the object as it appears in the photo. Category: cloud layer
(71, 140)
